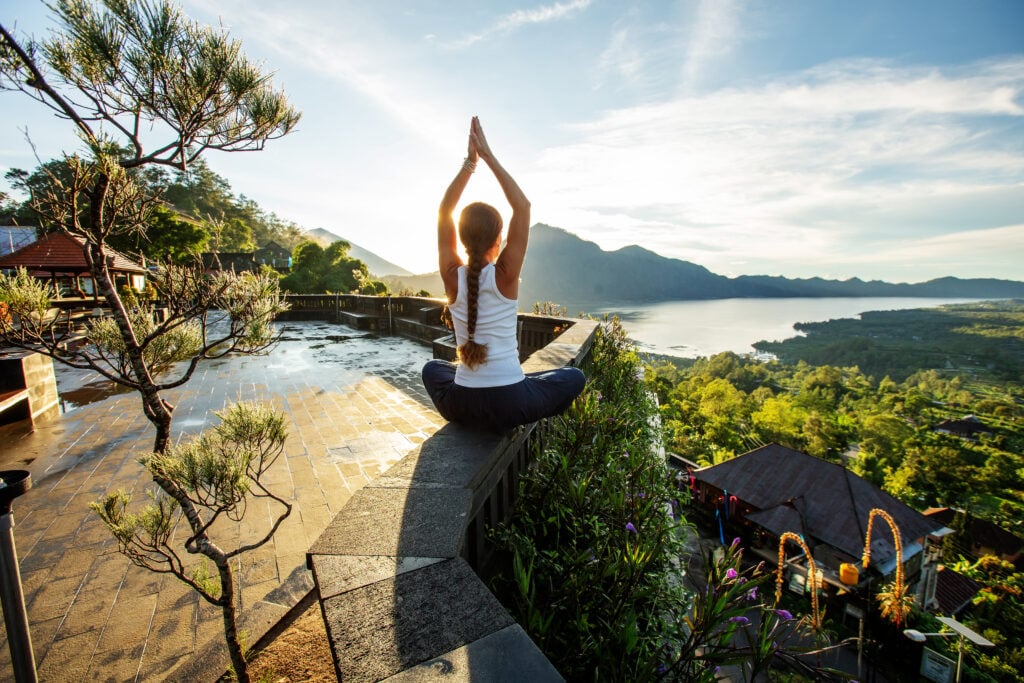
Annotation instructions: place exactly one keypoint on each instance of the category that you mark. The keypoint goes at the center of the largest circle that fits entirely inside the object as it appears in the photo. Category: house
(981, 537)
(274, 255)
(773, 489)
(60, 259)
(235, 261)
(967, 427)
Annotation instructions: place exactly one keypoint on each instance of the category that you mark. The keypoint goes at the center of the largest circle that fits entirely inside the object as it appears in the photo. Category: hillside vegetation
(870, 394)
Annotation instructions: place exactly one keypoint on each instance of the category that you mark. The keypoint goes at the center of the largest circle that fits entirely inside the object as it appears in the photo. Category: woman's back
(496, 322)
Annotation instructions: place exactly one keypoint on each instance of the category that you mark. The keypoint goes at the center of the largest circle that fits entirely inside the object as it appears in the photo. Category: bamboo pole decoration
(812, 572)
(878, 512)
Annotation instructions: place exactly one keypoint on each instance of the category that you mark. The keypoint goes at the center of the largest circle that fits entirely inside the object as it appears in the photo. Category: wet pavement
(354, 406)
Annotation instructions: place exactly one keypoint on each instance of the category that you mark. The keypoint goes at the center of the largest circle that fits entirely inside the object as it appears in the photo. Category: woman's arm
(510, 261)
(447, 241)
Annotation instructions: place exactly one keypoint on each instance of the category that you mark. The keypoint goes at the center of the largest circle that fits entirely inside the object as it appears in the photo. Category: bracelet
(469, 165)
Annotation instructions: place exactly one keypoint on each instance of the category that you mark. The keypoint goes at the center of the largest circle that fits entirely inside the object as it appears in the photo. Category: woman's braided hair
(479, 228)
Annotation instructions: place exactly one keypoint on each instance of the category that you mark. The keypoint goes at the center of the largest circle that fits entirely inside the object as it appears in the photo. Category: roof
(982, 532)
(823, 501)
(59, 252)
(14, 237)
(953, 590)
(968, 425)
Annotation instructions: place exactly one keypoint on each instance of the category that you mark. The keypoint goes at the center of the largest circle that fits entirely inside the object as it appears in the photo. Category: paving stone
(506, 656)
(379, 640)
(330, 398)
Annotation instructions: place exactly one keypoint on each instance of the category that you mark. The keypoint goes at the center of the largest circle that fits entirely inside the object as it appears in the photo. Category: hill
(571, 271)
(377, 265)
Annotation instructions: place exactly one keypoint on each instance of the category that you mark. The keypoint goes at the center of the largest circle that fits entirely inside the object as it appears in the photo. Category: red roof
(59, 252)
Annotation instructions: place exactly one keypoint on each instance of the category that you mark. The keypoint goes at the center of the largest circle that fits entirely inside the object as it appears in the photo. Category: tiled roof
(953, 591)
(59, 252)
(825, 502)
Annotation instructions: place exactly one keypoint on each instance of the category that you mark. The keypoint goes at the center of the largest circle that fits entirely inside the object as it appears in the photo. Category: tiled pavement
(354, 405)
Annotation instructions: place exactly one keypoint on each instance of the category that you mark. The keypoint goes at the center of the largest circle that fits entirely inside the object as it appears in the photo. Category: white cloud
(714, 34)
(803, 169)
(512, 21)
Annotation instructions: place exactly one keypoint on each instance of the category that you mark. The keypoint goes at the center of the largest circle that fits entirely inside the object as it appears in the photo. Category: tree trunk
(227, 596)
(157, 411)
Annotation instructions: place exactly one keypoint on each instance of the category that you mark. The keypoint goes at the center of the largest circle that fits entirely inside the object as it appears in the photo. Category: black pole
(13, 483)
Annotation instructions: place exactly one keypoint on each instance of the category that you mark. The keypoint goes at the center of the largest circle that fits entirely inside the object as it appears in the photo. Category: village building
(967, 427)
(60, 259)
(981, 537)
(274, 255)
(767, 492)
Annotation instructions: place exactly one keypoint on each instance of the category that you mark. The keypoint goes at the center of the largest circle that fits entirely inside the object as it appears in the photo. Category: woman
(488, 388)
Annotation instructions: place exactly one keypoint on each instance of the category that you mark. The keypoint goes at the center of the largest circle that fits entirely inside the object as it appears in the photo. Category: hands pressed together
(478, 146)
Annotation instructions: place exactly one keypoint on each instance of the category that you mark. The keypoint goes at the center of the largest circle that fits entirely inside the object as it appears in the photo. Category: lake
(688, 329)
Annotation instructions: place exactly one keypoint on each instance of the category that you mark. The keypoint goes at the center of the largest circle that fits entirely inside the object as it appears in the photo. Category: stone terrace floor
(354, 405)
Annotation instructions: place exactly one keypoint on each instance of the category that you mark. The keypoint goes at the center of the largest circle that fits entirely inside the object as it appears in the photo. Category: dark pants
(540, 394)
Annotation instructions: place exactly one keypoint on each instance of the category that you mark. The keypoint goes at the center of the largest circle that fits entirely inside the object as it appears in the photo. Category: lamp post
(960, 632)
(13, 483)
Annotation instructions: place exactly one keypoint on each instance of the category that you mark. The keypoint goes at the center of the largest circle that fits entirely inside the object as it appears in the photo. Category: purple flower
(742, 580)
(752, 594)
(784, 614)
(735, 541)
(630, 528)
(662, 668)
(599, 396)
(731, 573)
(742, 621)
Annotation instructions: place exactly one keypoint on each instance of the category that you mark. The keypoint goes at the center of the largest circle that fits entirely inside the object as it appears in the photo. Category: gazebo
(59, 258)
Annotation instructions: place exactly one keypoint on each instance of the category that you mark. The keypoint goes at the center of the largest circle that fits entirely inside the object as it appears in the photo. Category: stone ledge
(400, 600)
(443, 607)
(393, 522)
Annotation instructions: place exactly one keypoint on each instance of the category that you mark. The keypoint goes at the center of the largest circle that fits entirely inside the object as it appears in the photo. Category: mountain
(377, 265)
(563, 268)
(568, 270)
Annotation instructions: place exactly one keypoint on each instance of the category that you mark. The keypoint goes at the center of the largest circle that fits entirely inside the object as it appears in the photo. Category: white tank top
(496, 320)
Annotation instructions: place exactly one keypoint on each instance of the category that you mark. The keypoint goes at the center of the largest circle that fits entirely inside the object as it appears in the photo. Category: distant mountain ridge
(377, 265)
(562, 267)
(568, 270)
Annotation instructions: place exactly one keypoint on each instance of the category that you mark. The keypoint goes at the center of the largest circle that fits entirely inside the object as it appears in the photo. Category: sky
(872, 139)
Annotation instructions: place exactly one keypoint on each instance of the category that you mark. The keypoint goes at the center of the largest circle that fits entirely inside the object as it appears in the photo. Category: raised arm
(510, 260)
(447, 240)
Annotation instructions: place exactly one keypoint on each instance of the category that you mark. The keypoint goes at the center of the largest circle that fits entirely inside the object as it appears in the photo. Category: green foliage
(316, 270)
(27, 299)
(984, 339)
(161, 349)
(596, 555)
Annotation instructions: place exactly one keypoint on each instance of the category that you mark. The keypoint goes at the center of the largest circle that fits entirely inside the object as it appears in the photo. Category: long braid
(471, 353)
(479, 228)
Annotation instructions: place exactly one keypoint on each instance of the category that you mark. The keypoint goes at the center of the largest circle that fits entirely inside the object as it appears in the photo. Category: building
(60, 258)
(773, 490)
(274, 255)
(967, 427)
(981, 537)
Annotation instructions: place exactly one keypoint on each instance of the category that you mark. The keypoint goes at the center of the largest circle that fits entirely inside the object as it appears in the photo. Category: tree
(144, 87)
